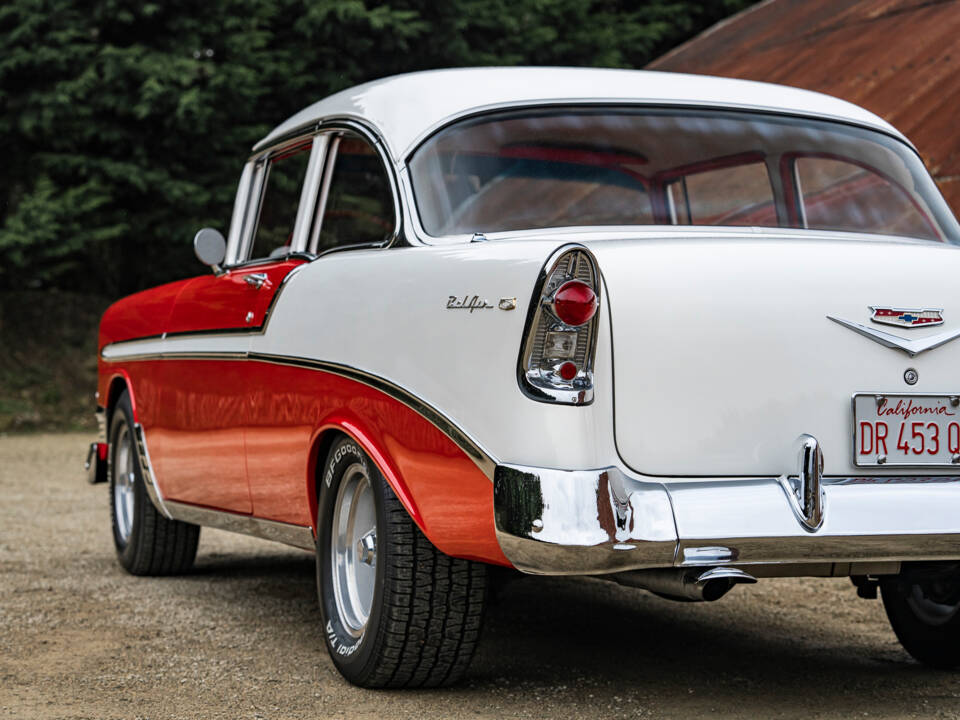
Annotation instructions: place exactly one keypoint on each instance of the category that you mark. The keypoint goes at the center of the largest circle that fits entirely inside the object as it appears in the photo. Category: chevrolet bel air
(679, 332)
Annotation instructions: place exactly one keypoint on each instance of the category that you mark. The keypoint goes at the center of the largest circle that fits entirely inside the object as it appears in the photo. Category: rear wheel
(147, 543)
(924, 610)
(396, 611)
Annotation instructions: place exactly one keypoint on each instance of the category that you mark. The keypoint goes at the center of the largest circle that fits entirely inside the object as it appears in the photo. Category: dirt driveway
(239, 637)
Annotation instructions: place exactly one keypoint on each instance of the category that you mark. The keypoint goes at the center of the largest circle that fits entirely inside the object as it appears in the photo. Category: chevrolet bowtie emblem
(910, 347)
(905, 317)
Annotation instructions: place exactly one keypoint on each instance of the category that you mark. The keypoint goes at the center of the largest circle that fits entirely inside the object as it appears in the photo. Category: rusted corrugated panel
(897, 58)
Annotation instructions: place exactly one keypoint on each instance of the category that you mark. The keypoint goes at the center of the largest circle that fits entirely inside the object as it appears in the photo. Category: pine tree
(124, 125)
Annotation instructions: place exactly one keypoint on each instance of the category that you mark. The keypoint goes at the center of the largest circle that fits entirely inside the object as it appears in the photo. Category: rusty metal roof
(897, 58)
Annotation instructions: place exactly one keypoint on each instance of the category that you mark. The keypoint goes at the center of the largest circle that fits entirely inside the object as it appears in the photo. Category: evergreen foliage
(124, 125)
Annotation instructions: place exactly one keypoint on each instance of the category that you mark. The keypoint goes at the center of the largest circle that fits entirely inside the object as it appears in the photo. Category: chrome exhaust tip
(687, 585)
(717, 582)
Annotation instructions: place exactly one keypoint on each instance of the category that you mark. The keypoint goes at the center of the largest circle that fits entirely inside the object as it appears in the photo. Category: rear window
(565, 167)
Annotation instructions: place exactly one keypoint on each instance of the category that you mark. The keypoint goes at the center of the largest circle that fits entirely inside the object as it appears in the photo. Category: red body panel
(223, 302)
(212, 426)
(197, 435)
(241, 435)
(144, 314)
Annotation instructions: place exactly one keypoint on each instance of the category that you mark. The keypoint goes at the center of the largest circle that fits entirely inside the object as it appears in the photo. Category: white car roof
(405, 108)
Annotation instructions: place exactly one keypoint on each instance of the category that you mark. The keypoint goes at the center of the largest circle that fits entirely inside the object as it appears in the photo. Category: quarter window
(356, 199)
(734, 195)
(839, 195)
(280, 199)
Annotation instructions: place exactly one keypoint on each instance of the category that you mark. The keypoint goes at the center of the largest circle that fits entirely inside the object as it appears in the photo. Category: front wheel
(396, 611)
(924, 611)
(147, 543)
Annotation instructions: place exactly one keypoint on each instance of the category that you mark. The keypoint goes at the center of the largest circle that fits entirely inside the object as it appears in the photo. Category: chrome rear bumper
(604, 521)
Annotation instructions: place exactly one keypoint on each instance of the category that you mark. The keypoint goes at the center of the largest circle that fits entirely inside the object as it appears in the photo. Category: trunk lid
(723, 352)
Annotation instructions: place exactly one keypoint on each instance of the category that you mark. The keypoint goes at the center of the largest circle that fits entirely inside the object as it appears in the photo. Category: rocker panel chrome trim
(295, 535)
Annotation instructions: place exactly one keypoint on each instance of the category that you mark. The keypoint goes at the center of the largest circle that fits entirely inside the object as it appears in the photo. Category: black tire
(921, 616)
(426, 610)
(152, 544)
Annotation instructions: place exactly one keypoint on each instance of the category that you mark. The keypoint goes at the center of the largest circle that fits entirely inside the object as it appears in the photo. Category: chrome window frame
(311, 205)
(260, 175)
(337, 126)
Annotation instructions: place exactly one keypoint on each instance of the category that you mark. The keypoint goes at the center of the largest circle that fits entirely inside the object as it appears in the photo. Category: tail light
(556, 361)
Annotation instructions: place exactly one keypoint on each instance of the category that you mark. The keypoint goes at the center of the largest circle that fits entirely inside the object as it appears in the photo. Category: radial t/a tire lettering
(396, 611)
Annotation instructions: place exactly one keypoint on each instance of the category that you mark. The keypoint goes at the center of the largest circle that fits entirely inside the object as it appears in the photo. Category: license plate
(906, 430)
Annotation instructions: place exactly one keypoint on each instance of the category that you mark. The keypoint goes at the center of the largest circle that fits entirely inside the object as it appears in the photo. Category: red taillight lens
(575, 303)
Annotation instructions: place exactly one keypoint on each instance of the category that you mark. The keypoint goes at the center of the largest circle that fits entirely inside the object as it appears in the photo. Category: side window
(280, 198)
(838, 195)
(734, 195)
(359, 203)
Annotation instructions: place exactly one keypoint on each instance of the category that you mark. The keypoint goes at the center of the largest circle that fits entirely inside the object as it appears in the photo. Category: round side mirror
(210, 247)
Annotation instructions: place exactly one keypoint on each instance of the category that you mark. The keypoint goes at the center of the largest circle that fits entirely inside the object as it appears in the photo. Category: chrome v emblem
(910, 347)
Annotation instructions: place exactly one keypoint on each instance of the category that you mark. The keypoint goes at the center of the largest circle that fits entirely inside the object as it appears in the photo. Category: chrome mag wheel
(123, 485)
(353, 549)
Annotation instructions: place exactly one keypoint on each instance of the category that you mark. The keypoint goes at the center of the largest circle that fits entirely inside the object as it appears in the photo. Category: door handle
(255, 280)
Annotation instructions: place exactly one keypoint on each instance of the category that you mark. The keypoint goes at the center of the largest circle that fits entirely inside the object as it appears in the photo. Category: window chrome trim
(330, 160)
(370, 134)
(309, 193)
(251, 214)
(262, 164)
(240, 204)
(325, 128)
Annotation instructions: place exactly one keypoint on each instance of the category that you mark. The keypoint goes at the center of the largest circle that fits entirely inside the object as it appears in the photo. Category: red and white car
(681, 332)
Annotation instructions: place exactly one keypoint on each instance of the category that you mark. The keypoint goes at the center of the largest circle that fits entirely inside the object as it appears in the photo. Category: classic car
(679, 332)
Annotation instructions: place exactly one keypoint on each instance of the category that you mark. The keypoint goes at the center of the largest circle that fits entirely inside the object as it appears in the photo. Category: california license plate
(900, 430)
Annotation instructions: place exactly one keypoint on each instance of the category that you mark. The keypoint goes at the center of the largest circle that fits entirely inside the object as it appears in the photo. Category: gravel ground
(239, 637)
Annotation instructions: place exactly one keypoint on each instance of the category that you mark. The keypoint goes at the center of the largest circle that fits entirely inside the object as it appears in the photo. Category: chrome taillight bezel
(537, 378)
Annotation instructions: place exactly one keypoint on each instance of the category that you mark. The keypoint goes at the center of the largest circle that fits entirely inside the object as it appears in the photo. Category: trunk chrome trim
(910, 347)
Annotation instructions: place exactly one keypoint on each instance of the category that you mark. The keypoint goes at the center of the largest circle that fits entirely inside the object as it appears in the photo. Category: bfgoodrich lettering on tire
(396, 611)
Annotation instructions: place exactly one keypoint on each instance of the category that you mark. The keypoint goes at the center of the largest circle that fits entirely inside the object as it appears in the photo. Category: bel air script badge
(904, 317)
(476, 302)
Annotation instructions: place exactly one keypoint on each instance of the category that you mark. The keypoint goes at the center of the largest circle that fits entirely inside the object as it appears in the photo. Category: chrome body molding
(473, 450)
(295, 535)
(146, 471)
(602, 521)
(166, 348)
(910, 347)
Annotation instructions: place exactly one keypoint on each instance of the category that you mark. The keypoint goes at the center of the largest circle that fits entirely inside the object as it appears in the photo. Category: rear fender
(354, 428)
